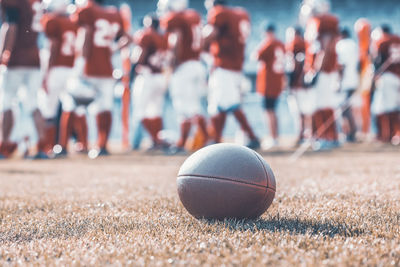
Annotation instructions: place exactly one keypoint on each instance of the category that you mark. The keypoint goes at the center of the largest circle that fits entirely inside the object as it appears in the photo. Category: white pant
(387, 94)
(187, 87)
(305, 99)
(13, 79)
(326, 91)
(57, 80)
(225, 89)
(149, 94)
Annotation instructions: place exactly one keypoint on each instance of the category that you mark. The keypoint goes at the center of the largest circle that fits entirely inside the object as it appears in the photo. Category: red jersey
(25, 51)
(363, 30)
(296, 48)
(106, 26)
(271, 73)
(61, 31)
(233, 26)
(153, 42)
(321, 36)
(188, 24)
(390, 48)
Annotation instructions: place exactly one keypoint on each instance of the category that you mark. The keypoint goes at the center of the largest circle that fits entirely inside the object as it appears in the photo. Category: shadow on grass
(293, 226)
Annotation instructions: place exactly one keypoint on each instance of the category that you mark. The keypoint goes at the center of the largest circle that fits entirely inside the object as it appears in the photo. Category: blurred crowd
(338, 83)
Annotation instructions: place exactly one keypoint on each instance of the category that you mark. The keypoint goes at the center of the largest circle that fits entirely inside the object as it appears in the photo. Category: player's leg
(104, 103)
(49, 106)
(218, 123)
(80, 127)
(184, 102)
(270, 106)
(348, 115)
(32, 79)
(150, 93)
(11, 81)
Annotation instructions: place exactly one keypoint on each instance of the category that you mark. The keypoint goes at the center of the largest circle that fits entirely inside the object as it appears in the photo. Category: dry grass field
(335, 209)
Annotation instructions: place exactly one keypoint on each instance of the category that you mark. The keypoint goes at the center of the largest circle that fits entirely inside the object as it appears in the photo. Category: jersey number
(394, 52)
(105, 32)
(68, 43)
(244, 30)
(279, 62)
(196, 35)
(36, 17)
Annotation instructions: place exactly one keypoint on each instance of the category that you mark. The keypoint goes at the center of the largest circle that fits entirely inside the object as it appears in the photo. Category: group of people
(176, 51)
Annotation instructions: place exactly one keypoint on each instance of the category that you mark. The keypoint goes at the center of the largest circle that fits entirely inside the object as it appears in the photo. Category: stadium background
(283, 13)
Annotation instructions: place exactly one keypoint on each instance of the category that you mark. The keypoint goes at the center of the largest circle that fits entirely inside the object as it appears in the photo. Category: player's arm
(175, 43)
(210, 33)
(8, 33)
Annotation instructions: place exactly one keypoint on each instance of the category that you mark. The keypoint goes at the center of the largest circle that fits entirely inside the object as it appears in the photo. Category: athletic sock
(153, 127)
(218, 123)
(185, 131)
(66, 124)
(244, 124)
(103, 120)
(81, 129)
(201, 123)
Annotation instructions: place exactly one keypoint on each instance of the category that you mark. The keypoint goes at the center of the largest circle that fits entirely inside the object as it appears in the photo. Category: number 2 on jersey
(105, 32)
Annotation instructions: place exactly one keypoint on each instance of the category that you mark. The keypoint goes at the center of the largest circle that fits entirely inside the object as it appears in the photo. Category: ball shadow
(293, 226)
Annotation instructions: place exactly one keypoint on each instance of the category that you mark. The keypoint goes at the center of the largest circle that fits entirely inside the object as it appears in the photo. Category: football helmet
(172, 5)
(57, 5)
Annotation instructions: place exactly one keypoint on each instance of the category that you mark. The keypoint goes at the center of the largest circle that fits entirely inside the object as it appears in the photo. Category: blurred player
(99, 27)
(363, 29)
(295, 55)
(150, 84)
(348, 60)
(270, 77)
(321, 68)
(188, 81)
(386, 99)
(20, 66)
(226, 35)
(61, 32)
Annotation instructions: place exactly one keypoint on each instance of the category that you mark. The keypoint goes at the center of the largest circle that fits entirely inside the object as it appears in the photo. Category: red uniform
(153, 42)
(297, 49)
(389, 47)
(25, 52)
(107, 26)
(270, 76)
(324, 30)
(187, 23)
(233, 26)
(62, 30)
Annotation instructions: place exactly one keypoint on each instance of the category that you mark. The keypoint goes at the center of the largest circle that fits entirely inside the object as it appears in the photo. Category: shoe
(40, 156)
(159, 147)
(95, 153)
(351, 138)
(254, 144)
(59, 152)
(325, 145)
(175, 150)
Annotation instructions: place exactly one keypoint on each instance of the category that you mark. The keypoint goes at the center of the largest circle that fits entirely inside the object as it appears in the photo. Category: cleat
(174, 150)
(40, 156)
(254, 144)
(95, 153)
(59, 152)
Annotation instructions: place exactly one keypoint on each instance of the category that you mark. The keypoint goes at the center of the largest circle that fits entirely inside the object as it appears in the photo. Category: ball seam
(222, 178)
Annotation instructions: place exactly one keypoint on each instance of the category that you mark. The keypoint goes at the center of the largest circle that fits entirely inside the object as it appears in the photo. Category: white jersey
(347, 52)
